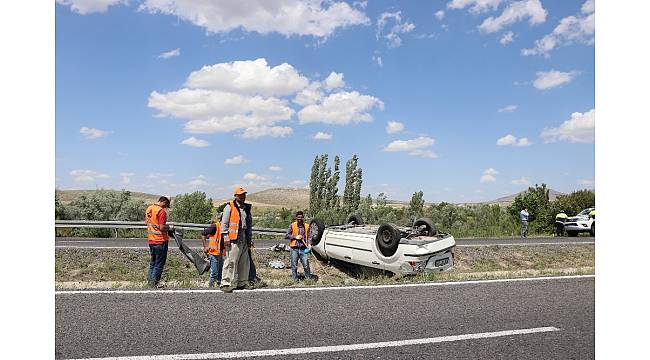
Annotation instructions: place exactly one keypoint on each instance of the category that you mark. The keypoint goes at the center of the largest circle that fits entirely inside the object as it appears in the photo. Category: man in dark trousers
(156, 219)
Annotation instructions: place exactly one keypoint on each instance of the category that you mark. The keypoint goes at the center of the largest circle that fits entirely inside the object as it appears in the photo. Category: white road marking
(334, 348)
(357, 287)
(530, 244)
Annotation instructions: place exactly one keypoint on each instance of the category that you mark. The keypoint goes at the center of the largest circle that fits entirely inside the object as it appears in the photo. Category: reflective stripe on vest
(295, 232)
(214, 245)
(233, 223)
(153, 227)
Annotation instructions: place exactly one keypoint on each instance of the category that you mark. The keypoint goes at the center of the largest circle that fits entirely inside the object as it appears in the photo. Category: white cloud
(394, 126)
(312, 94)
(254, 77)
(194, 142)
(508, 109)
(322, 136)
(516, 11)
(87, 175)
(316, 18)
(170, 54)
(270, 131)
(156, 176)
(550, 79)
(522, 181)
(489, 175)
(580, 29)
(587, 182)
(254, 177)
(237, 160)
(198, 181)
(84, 7)
(376, 58)
(507, 38)
(334, 80)
(440, 14)
(511, 140)
(90, 133)
(476, 6)
(275, 168)
(340, 108)
(414, 147)
(126, 177)
(398, 28)
(580, 128)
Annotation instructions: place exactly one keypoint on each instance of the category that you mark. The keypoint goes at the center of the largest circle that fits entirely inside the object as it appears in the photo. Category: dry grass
(119, 268)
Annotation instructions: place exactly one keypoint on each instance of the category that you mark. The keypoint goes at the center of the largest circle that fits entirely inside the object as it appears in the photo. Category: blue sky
(484, 98)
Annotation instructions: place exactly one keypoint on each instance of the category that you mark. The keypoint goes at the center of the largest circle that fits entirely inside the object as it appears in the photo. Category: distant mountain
(507, 200)
(297, 198)
(66, 196)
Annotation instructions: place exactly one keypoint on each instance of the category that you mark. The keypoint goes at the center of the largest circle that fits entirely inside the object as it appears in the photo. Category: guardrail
(143, 225)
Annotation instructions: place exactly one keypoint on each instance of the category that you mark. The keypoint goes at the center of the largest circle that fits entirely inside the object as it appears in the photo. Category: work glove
(307, 250)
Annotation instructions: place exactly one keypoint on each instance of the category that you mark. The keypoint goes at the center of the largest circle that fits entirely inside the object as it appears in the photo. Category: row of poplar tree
(323, 185)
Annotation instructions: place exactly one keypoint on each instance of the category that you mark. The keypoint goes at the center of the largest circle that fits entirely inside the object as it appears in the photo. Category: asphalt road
(92, 243)
(146, 323)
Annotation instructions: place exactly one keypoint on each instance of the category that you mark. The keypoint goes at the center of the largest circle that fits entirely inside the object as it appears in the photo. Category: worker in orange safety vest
(214, 249)
(156, 219)
(237, 237)
(299, 242)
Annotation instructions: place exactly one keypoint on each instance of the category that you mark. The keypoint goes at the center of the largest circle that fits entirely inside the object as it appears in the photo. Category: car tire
(319, 226)
(354, 219)
(387, 239)
(430, 229)
(593, 229)
(572, 233)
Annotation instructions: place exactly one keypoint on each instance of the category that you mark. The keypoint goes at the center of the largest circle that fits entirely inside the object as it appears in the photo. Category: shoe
(160, 286)
(243, 287)
(226, 289)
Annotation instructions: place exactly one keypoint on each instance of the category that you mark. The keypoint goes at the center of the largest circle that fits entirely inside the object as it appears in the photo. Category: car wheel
(316, 229)
(354, 219)
(424, 226)
(593, 229)
(572, 233)
(387, 239)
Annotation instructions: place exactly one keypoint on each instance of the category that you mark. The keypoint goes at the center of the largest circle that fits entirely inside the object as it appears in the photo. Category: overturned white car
(388, 247)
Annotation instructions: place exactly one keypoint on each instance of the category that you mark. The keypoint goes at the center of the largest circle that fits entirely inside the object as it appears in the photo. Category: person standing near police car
(158, 239)
(523, 216)
(237, 235)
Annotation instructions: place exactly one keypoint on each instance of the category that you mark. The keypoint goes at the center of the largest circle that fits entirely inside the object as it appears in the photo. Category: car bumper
(577, 226)
(434, 263)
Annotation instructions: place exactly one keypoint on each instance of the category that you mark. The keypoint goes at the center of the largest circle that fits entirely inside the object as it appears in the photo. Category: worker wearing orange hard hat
(237, 236)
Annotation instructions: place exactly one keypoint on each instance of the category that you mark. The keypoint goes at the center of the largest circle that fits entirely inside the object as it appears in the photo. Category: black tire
(593, 229)
(572, 233)
(354, 219)
(316, 229)
(430, 228)
(387, 239)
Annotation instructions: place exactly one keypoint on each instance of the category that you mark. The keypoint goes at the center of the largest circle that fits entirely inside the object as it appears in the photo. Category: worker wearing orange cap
(237, 235)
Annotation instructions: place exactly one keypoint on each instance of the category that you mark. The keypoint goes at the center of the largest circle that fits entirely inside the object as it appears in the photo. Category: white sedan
(388, 247)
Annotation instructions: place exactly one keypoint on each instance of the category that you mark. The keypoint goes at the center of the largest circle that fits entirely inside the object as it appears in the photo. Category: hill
(507, 200)
(297, 198)
(66, 196)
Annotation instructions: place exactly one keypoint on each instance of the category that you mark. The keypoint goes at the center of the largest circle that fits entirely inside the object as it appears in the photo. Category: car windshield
(585, 212)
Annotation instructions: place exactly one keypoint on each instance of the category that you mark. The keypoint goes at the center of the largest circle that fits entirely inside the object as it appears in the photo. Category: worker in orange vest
(156, 219)
(214, 250)
(299, 242)
(237, 237)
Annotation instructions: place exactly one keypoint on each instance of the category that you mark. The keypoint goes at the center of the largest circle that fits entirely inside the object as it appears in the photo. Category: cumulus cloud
(316, 18)
(322, 136)
(475, 6)
(341, 108)
(334, 80)
(275, 168)
(580, 128)
(90, 133)
(194, 142)
(170, 54)
(550, 79)
(440, 14)
(157, 176)
(571, 29)
(392, 35)
(394, 126)
(522, 181)
(507, 38)
(415, 147)
(312, 94)
(270, 131)
(489, 175)
(237, 160)
(87, 175)
(198, 181)
(511, 140)
(254, 177)
(84, 7)
(508, 109)
(515, 12)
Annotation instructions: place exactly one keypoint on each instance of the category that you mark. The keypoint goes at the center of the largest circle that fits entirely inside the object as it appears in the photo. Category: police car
(404, 250)
(581, 223)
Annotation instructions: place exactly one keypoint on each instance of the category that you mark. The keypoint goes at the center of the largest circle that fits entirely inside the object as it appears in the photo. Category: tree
(356, 197)
(332, 186)
(105, 205)
(59, 208)
(313, 184)
(352, 192)
(192, 208)
(322, 181)
(381, 200)
(417, 204)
